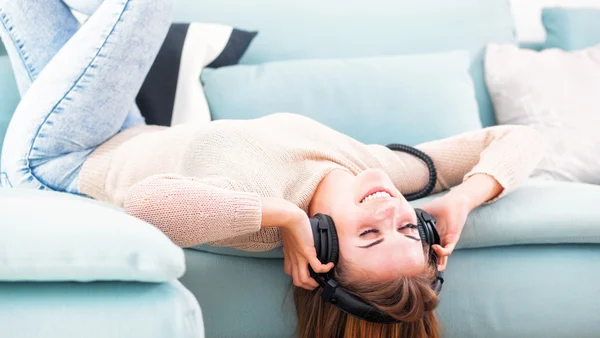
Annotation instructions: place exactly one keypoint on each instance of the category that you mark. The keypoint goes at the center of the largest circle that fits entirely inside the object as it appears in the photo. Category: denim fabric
(78, 84)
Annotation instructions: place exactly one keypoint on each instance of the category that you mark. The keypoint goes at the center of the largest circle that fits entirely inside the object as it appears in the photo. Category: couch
(526, 266)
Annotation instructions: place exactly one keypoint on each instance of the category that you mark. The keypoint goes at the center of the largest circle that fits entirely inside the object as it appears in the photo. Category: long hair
(409, 299)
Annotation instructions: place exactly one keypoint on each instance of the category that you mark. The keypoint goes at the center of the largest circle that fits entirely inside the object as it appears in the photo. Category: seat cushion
(539, 212)
(545, 291)
(99, 310)
(50, 236)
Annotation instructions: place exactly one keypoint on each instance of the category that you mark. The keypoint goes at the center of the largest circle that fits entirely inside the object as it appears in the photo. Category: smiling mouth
(379, 194)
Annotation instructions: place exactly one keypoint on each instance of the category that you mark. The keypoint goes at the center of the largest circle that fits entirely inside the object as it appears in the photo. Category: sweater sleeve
(509, 153)
(191, 211)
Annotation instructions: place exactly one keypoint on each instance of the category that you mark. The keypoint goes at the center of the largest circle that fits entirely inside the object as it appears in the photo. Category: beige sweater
(201, 183)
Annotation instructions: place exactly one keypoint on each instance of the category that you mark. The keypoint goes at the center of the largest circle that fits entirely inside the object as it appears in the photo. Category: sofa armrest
(50, 236)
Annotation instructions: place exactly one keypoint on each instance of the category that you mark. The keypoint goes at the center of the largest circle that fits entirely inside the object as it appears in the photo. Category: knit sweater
(203, 183)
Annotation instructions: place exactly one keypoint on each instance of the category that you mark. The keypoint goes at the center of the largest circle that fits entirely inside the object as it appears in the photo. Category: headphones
(326, 245)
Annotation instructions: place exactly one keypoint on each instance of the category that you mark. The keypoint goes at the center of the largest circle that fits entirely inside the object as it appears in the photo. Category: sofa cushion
(571, 28)
(392, 99)
(49, 236)
(99, 310)
(555, 92)
(516, 291)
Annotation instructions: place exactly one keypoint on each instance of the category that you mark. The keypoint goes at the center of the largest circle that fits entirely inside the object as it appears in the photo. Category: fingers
(300, 273)
(305, 277)
(287, 262)
(302, 278)
(442, 262)
(319, 267)
(441, 251)
(296, 264)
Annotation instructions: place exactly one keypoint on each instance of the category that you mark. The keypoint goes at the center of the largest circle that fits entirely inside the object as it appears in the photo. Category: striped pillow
(172, 92)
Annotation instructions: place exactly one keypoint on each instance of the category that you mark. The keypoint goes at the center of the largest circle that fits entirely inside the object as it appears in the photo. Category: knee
(87, 7)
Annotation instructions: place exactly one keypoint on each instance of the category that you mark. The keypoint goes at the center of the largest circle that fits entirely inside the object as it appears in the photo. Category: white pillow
(172, 93)
(557, 93)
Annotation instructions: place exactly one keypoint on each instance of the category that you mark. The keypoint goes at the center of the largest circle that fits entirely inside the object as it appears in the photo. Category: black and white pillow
(172, 92)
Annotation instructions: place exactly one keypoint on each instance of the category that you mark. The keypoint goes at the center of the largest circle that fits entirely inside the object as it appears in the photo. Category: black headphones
(326, 245)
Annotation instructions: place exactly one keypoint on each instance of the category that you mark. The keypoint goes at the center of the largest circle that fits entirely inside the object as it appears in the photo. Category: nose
(387, 209)
(388, 215)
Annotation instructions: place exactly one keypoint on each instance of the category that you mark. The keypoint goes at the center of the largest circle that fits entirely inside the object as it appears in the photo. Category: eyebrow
(372, 244)
(381, 240)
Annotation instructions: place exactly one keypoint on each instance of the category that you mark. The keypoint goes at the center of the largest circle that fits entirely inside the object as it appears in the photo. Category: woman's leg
(31, 47)
(84, 94)
(87, 7)
(33, 32)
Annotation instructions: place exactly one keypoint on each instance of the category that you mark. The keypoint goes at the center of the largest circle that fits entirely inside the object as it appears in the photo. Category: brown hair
(409, 299)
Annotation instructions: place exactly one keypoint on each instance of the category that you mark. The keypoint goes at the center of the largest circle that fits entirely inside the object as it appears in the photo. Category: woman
(248, 184)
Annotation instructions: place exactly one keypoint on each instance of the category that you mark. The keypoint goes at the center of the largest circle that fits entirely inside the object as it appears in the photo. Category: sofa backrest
(358, 28)
(342, 29)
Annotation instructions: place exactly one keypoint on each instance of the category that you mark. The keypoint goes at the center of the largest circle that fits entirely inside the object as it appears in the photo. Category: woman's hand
(299, 251)
(450, 212)
(298, 243)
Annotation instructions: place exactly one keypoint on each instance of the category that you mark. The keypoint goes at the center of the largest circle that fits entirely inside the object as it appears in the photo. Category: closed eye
(368, 231)
(410, 226)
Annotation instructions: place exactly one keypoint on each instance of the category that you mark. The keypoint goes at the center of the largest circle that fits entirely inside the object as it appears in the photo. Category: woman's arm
(191, 211)
(476, 190)
(503, 157)
(506, 153)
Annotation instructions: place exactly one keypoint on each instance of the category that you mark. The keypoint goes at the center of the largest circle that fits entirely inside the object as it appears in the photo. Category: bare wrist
(278, 212)
(294, 215)
(478, 189)
(462, 199)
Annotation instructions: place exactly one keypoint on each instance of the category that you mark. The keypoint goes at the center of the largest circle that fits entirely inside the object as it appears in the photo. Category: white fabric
(203, 43)
(557, 93)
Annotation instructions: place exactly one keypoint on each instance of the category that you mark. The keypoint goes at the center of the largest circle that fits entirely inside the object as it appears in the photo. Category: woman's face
(374, 224)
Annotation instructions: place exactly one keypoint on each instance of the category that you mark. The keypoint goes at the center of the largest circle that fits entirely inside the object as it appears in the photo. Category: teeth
(379, 194)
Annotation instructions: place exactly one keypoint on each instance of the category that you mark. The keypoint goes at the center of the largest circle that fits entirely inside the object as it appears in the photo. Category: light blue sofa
(527, 266)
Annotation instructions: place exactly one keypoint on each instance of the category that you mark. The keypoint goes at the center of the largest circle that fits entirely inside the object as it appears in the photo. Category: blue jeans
(78, 84)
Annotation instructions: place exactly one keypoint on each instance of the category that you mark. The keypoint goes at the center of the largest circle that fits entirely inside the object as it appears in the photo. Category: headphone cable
(428, 161)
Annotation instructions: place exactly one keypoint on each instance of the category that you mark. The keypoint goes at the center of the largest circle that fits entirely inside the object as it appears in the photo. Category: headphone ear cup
(422, 232)
(333, 246)
(325, 238)
(334, 252)
(317, 238)
(427, 229)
